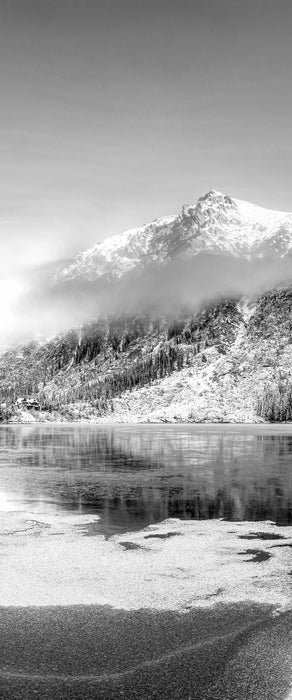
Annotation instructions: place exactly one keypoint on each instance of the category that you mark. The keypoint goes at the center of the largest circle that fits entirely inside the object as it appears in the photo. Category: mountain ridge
(217, 223)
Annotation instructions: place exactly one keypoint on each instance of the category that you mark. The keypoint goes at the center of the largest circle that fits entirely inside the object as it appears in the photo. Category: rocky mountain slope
(216, 224)
(225, 360)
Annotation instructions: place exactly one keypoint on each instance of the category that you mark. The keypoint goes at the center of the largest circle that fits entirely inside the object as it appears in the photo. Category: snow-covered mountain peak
(216, 224)
(212, 206)
(215, 198)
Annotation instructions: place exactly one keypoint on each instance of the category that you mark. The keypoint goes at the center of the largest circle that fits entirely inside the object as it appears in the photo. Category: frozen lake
(135, 475)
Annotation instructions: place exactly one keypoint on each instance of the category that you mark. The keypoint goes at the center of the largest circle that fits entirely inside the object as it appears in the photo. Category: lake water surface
(134, 475)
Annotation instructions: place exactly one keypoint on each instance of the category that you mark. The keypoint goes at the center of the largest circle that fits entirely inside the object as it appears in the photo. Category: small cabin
(32, 403)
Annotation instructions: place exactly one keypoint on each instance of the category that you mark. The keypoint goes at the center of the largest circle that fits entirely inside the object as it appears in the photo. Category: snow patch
(47, 559)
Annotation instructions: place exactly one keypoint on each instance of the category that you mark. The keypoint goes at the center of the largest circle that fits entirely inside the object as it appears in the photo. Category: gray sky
(114, 112)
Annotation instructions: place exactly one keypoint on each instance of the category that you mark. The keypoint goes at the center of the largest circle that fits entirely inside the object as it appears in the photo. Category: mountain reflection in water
(135, 475)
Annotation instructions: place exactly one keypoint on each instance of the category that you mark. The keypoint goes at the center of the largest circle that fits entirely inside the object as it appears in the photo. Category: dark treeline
(101, 390)
(275, 404)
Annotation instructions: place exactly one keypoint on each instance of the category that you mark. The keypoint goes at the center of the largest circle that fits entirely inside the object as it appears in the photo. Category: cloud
(199, 280)
(46, 309)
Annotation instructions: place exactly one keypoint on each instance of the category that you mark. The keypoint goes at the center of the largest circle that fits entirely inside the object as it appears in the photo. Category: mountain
(217, 224)
(227, 359)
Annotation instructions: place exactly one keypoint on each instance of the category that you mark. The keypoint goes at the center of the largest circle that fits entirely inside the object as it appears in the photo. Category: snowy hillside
(229, 361)
(216, 224)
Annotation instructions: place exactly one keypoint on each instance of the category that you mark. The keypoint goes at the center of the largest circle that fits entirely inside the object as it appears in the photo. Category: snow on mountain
(217, 224)
(227, 225)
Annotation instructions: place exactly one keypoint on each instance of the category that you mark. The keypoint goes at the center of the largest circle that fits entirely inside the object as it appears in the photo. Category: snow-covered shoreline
(51, 559)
